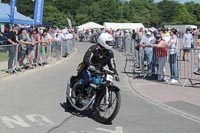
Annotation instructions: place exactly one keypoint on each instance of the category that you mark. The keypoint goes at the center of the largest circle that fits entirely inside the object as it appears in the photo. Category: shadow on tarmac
(87, 113)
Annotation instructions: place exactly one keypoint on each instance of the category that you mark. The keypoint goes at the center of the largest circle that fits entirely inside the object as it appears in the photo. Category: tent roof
(90, 25)
(135, 26)
(18, 17)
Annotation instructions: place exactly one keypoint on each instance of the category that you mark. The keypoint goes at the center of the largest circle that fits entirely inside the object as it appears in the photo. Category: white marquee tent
(90, 25)
(135, 26)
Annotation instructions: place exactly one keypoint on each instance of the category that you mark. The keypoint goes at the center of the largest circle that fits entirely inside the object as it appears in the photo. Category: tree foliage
(142, 11)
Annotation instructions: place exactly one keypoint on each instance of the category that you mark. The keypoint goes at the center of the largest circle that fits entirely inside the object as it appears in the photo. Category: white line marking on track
(117, 130)
(9, 122)
(45, 119)
(17, 120)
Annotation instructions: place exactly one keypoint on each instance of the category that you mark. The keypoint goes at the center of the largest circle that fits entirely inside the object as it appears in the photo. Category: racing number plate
(109, 78)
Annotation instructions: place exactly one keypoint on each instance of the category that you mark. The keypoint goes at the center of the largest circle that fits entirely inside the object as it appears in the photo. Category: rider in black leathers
(96, 57)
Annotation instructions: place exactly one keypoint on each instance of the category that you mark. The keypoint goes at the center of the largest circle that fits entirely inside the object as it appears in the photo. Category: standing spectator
(119, 38)
(37, 38)
(139, 49)
(65, 43)
(165, 35)
(73, 39)
(187, 42)
(173, 48)
(195, 36)
(127, 41)
(24, 42)
(161, 53)
(69, 41)
(30, 48)
(44, 47)
(133, 37)
(146, 43)
(133, 34)
(87, 34)
(12, 40)
(58, 39)
(33, 47)
(122, 39)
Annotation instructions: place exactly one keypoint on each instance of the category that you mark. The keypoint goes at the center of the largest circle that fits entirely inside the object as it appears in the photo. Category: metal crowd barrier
(20, 58)
(162, 68)
(4, 57)
(190, 68)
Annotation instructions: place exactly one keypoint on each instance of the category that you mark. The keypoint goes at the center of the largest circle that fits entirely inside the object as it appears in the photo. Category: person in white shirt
(173, 51)
(187, 43)
(65, 43)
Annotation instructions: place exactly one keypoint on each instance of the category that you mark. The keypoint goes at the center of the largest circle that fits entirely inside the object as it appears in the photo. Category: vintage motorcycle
(101, 96)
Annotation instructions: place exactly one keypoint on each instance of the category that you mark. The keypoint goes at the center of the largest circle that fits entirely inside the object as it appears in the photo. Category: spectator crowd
(38, 45)
(150, 48)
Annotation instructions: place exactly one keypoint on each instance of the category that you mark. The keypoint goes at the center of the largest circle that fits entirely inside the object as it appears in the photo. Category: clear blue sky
(181, 1)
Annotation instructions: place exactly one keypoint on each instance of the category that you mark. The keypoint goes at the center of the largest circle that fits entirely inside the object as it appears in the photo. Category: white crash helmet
(105, 40)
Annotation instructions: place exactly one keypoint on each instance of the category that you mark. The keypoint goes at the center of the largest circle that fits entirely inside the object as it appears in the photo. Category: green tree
(53, 15)
(142, 11)
(182, 16)
(193, 9)
(168, 10)
(100, 11)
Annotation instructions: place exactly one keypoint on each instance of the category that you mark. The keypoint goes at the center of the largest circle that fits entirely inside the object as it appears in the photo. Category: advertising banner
(69, 23)
(38, 12)
(12, 10)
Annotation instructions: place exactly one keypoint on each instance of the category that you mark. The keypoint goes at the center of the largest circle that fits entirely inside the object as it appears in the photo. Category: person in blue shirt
(146, 42)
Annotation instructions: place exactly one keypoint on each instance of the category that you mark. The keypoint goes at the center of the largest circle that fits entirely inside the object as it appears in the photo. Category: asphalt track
(30, 103)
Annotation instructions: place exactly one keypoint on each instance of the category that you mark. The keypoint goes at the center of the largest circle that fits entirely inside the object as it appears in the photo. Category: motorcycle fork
(107, 96)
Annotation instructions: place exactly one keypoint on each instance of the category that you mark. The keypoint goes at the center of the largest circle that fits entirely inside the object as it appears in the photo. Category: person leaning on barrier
(146, 43)
(161, 53)
(12, 41)
(24, 42)
(137, 47)
(44, 47)
(36, 39)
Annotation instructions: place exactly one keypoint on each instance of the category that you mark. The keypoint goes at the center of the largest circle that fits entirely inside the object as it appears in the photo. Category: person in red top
(161, 53)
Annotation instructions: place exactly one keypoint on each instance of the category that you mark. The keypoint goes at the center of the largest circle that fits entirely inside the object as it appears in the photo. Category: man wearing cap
(146, 43)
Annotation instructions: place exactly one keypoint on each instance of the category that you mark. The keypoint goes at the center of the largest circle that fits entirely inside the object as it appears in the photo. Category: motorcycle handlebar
(109, 71)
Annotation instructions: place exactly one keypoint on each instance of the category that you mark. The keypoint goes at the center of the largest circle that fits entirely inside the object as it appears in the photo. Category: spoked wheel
(69, 97)
(68, 105)
(107, 108)
(75, 100)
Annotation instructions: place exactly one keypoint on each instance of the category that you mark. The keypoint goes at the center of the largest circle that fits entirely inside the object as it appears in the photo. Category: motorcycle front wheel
(107, 108)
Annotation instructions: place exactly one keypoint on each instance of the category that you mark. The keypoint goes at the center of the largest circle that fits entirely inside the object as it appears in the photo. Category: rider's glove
(91, 68)
(117, 77)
